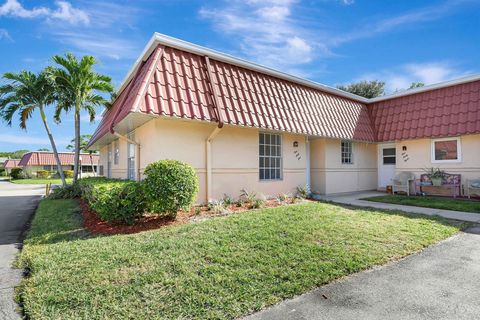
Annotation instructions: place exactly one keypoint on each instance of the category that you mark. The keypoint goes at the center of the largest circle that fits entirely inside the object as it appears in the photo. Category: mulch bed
(95, 225)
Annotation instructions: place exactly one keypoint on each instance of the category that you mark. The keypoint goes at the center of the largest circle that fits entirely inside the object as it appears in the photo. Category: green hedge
(68, 173)
(43, 174)
(17, 173)
(170, 186)
(114, 200)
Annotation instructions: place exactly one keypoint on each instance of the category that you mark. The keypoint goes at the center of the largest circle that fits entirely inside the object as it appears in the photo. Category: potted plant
(436, 176)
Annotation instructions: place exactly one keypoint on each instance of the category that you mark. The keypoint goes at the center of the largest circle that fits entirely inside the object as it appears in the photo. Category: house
(31, 162)
(9, 164)
(242, 125)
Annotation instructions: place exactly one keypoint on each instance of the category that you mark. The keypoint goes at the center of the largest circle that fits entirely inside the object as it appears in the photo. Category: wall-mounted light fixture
(404, 148)
(295, 144)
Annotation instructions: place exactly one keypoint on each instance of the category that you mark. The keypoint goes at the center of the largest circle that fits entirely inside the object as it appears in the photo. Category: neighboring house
(31, 162)
(9, 164)
(241, 125)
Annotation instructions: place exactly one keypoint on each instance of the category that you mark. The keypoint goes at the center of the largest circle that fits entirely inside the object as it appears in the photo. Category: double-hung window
(270, 156)
(116, 152)
(347, 152)
(131, 158)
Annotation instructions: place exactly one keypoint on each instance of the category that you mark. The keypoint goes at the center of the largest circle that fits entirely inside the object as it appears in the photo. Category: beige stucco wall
(234, 156)
(329, 175)
(419, 157)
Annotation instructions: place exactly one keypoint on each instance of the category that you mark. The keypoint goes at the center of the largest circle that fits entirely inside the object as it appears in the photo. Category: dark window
(389, 156)
(446, 150)
(270, 156)
(347, 152)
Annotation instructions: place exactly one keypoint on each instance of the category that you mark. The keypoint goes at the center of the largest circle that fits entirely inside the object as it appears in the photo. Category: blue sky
(328, 41)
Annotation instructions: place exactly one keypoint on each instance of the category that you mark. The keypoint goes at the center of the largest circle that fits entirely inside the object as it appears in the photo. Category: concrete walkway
(354, 199)
(441, 282)
(17, 205)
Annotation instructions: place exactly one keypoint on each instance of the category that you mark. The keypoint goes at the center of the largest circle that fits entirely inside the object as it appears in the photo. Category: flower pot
(437, 182)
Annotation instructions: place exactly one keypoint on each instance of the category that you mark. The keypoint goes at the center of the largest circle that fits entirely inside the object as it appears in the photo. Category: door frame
(380, 148)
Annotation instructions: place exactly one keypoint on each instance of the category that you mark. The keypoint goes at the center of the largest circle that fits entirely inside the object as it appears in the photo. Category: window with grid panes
(270, 156)
(347, 154)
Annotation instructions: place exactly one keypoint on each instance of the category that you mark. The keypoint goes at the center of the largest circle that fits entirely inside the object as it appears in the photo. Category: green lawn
(221, 268)
(39, 181)
(430, 202)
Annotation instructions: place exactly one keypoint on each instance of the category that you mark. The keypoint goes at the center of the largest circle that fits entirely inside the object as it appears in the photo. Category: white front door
(386, 164)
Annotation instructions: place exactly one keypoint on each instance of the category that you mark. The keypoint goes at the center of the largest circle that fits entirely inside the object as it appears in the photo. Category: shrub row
(114, 200)
(169, 186)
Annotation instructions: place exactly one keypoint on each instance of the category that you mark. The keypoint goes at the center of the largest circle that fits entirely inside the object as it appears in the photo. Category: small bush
(70, 191)
(17, 173)
(43, 174)
(247, 196)
(227, 200)
(257, 203)
(170, 186)
(2, 172)
(68, 174)
(114, 200)
(217, 207)
(302, 192)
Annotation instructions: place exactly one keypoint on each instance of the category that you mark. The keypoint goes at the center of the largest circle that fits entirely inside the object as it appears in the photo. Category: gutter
(208, 159)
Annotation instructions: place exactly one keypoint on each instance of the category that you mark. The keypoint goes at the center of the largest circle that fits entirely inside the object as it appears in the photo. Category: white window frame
(351, 152)
(116, 152)
(271, 157)
(459, 150)
(131, 165)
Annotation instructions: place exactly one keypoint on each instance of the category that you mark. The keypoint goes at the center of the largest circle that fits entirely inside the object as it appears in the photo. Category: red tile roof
(40, 158)
(449, 111)
(176, 83)
(11, 163)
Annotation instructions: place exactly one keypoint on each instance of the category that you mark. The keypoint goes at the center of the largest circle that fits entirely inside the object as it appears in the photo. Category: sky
(328, 41)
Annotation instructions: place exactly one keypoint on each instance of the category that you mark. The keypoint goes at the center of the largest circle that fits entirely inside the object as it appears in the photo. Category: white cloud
(400, 78)
(68, 13)
(15, 9)
(267, 32)
(65, 12)
(100, 45)
(5, 35)
(347, 2)
(28, 140)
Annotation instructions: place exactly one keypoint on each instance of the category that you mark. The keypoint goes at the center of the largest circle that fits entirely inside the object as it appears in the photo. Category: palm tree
(84, 139)
(78, 88)
(24, 93)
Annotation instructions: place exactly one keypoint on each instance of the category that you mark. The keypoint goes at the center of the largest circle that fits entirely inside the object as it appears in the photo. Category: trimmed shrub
(17, 173)
(2, 172)
(43, 174)
(170, 186)
(70, 191)
(114, 200)
(68, 174)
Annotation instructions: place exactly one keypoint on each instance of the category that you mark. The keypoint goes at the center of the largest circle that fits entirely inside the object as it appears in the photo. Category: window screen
(346, 150)
(446, 150)
(389, 156)
(116, 152)
(270, 161)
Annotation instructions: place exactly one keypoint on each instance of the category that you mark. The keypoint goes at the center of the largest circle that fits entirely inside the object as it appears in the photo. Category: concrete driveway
(17, 205)
(442, 282)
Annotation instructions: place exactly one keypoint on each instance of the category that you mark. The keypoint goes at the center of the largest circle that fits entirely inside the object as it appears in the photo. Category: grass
(221, 268)
(39, 181)
(430, 202)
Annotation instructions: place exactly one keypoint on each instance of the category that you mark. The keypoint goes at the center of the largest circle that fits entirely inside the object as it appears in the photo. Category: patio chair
(401, 182)
(472, 186)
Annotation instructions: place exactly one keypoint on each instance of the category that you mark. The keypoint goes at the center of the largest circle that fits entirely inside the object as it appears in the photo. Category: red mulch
(95, 225)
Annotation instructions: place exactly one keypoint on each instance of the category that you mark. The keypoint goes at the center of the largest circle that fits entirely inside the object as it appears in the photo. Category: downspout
(137, 155)
(213, 134)
(308, 166)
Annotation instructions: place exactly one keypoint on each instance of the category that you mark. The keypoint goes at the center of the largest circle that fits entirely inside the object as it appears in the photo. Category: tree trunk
(54, 147)
(93, 167)
(77, 145)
